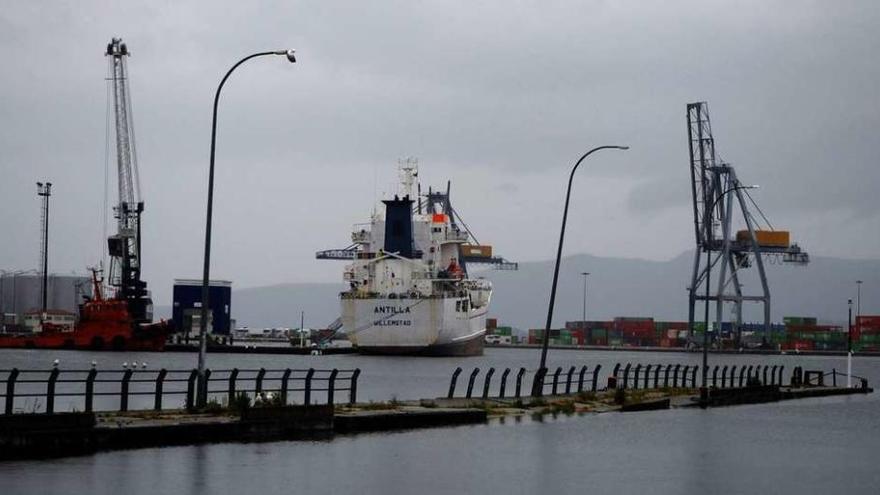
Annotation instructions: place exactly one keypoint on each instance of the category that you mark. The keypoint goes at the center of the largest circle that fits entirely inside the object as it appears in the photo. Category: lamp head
(288, 53)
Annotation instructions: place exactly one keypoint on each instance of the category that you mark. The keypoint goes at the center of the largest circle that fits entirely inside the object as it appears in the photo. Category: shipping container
(772, 238)
(476, 251)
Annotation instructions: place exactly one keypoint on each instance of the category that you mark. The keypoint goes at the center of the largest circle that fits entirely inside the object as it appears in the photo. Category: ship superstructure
(409, 289)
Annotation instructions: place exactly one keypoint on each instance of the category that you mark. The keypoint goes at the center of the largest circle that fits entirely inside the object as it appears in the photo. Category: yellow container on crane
(768, 238)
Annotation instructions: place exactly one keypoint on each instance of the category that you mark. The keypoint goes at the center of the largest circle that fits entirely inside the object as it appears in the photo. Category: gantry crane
(715, 188)
(124, 247)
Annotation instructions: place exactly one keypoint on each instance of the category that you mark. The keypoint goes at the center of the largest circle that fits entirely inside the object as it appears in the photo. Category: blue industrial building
(187, 306)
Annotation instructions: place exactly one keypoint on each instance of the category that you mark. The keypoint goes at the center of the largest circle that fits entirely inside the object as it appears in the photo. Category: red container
(868, 321)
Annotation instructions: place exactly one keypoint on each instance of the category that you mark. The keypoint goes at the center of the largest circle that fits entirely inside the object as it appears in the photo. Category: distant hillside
(615, 287)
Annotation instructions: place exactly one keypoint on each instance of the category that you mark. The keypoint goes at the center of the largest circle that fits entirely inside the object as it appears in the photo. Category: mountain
(615, 287)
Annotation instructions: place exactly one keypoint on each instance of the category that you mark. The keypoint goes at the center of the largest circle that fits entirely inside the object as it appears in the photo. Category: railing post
(556, 379)
(657, 375)
(10, 390)
(684, 376)
(724, 376)
(331, 386)
(568, 380)
(833, 377)
(779, 381)
(596, 377)
(539, 380)
(258, 382)
(694, 376)
(519, 377)
(191, 390)
(285, 379)
(307, 393)
(452, 382)
(503, 382)
(160, 385)
(675, 376)
(123, 392)
(90, 389)
(616, 369)
(742, 374)
(50, 390)
(470, 387)
(230, 392)
(636, 376)
(626, 375)
(715, 377)
(647, 377)
(666, 376)
(487, 382)
(749, 374)
(733, 376)
(581, 378)
(773, 375)
(352, 393)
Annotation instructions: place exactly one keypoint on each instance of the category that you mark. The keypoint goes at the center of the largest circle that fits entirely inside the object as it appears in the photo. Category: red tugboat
(123, 322)
(104, 324)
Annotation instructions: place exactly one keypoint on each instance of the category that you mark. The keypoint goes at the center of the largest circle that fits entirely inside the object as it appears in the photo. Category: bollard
(285, 379)
(90, 389)
(123, 393)
(647, 377)
(258, 382)
(519, 376)
(596, 377)
(233, 377)
(626, 375)
(487, 382)
(715, 377)
(352, 393)
(568, 381)
(556, 379)
(581, 379)
(503, 382)
(470, 387)
(50, 390)
(160, 385)
(307, 393)
(191, 390)
(331, 386)
(453, 381)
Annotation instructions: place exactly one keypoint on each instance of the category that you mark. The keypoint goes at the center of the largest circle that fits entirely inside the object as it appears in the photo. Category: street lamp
(704, 389)
(203, 320)
(858, 302)
(849, 350)
(538, 385)
(585, 274)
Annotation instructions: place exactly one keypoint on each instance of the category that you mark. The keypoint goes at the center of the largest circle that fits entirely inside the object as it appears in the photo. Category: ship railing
(574, 380)
(129, 389)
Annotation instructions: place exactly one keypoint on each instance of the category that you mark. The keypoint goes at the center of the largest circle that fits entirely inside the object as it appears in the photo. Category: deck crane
(715, 188)
(124, 247)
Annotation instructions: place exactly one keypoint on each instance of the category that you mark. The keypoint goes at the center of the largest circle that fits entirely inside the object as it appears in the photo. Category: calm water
(812, 446)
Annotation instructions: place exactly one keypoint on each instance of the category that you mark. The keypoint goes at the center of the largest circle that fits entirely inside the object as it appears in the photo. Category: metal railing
(573, 380)
(43, 391)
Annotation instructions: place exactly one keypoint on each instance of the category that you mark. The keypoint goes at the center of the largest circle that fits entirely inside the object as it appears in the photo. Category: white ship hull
(425, 326)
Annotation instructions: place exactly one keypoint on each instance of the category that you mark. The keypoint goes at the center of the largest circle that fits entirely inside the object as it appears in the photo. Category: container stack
(866, 333)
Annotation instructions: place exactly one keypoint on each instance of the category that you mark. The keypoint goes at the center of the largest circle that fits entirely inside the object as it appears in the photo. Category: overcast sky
(500, 97)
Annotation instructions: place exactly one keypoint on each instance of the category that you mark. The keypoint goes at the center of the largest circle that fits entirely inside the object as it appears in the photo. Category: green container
(599, 333)
(614, 342)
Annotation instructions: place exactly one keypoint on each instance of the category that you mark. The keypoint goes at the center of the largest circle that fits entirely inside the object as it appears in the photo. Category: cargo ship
(409, 288)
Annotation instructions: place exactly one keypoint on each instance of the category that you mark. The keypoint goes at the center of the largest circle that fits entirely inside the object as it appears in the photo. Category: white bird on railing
(94, 363)
(55, 363)
(125, 365)
(134, 364)
(144, 365)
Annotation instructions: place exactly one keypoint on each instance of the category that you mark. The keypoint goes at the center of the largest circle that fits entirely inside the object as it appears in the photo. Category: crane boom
(125, 246)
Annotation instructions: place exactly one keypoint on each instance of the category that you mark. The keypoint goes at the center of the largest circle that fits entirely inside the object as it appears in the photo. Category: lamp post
(45, 191)
(704, 389)
(585, 274)
(858, 303)
(849, 350)
(202, 396)
(538, 384)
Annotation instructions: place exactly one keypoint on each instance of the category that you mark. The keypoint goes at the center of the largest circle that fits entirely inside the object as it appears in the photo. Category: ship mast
(125, 246)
